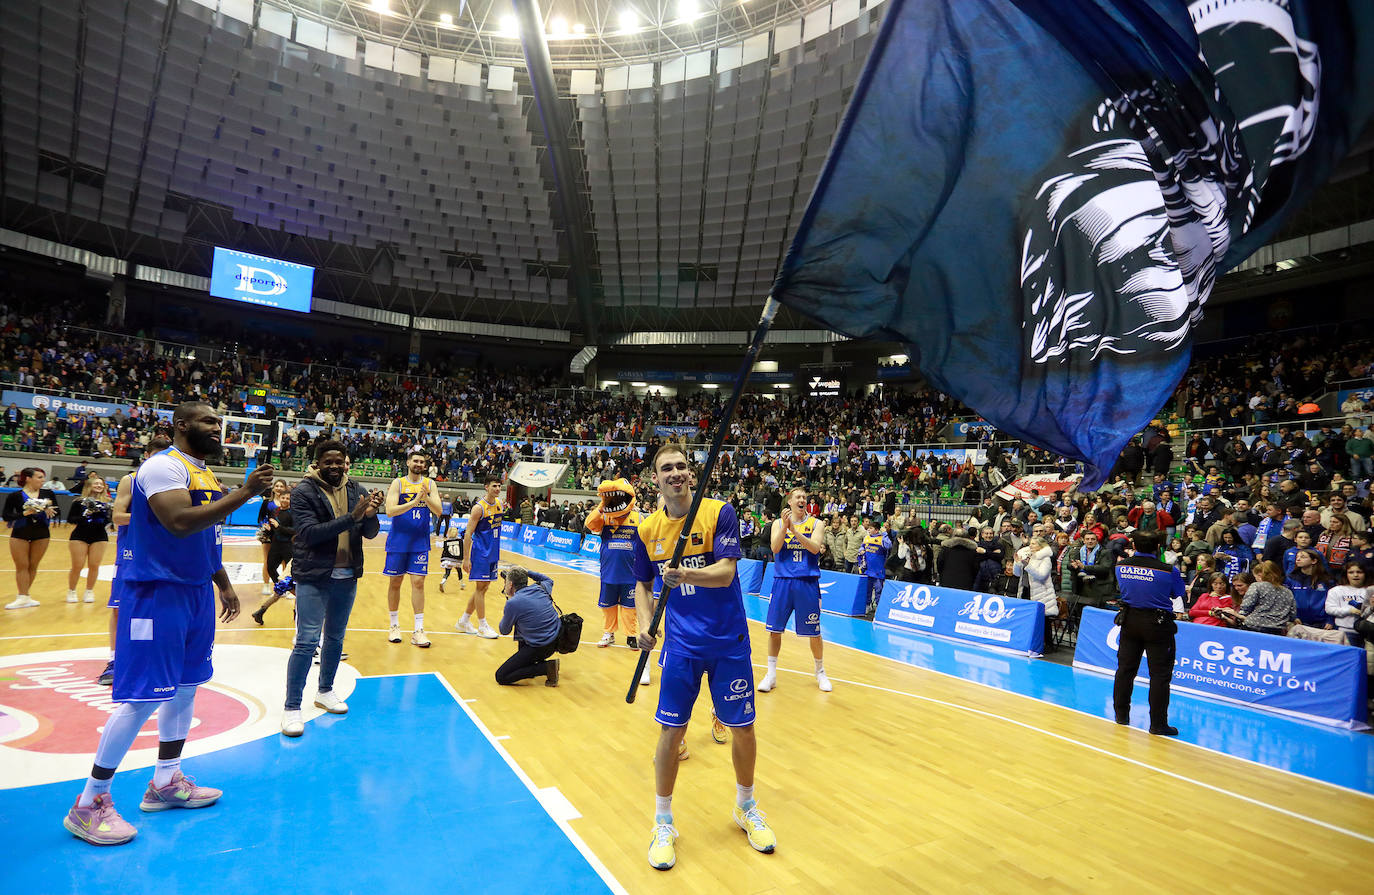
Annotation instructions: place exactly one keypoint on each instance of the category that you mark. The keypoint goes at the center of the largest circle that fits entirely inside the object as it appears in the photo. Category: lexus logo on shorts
(739, 685)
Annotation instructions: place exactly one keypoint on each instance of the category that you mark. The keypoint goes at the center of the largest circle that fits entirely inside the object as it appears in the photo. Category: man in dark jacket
(532, 617)
(332, 514)
(958, 562)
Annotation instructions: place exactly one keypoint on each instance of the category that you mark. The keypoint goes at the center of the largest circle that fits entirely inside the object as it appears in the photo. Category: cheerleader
(90, 514)
(267, 511)
(28, 512)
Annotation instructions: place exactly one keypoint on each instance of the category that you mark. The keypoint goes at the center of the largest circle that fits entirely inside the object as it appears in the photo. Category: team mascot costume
(617, 521)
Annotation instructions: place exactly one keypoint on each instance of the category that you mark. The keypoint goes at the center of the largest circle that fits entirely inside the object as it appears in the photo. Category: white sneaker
(462, 584)
(607, 638)
(770, 680)
(71, 596)
(441, 585)
(418, 638)
(22, 602)
(644, 678)
(484, 630)
(90, 596)
(291, 724)
(466, 627)
(823, 682)
(331, 703)
(266, 590)
(394, 635)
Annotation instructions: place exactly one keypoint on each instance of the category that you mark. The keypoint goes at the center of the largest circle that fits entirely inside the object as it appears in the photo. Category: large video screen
(239, 276)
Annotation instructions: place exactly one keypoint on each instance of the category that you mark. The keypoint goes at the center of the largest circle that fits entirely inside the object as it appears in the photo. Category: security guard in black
(1148, 587)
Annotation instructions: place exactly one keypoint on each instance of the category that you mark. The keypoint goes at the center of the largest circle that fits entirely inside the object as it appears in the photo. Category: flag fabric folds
(1038, 195)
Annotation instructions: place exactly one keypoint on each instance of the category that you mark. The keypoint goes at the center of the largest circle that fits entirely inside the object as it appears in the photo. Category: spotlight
(579, 28)
(688, 10)
(382, 6)
(509, 25)
(446, 19)
(559, 26)
(629, 20)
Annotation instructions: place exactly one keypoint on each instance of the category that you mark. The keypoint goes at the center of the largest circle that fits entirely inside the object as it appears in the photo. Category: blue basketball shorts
(408, 563)
(616, 595)
(799, 595)
(116, 586)
(483, 568)
(729, 678)
(164, 639)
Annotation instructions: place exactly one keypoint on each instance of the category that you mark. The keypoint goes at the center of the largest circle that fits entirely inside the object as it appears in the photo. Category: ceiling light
(509, 25)
(782, 385)
(688, 10)
(639, 384)
(710, 385)
(446, 19)
(579, 28)
(382, 6)
(560, 26)
(629, 20)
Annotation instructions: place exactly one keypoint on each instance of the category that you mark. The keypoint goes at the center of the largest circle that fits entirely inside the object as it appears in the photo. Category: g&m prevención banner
(1007, 623)
(1317, 681)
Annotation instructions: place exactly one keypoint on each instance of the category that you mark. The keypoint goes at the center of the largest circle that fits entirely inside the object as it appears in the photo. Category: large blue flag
(1038, 195)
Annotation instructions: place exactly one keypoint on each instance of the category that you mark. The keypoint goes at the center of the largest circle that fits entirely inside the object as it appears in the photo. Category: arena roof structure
(404, 155)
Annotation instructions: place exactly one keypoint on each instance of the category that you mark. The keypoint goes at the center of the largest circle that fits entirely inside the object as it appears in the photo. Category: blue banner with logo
(843, 593)
(750, 573)
(1320, 682)
(533, 535)
(510, 529)
(1007, 623)
(73, 406)
(591, 545)
(565, 541)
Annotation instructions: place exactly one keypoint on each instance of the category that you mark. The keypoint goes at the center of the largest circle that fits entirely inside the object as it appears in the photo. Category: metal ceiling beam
(570, 200)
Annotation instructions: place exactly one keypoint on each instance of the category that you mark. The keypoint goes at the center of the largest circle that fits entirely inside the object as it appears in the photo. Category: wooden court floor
(901, 780)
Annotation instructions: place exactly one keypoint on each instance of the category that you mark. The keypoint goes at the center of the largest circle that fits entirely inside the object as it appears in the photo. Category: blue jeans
(325, 604)
(1361, 467)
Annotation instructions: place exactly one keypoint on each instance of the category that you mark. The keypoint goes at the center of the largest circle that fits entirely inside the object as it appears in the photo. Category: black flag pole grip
(770, 310)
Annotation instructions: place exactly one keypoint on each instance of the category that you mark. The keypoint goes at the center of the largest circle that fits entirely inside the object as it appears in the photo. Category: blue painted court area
(405, 794)
(1332, 755)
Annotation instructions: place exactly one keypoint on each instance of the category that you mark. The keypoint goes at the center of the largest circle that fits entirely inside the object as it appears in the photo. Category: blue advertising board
(766, 583)
(750, 573)
(102, 408)
(843, 593)
(591, 545)
(510, 529)
(1320, 682)
(1007, 623)
(257, 280)
(565, 541)
(533, 535)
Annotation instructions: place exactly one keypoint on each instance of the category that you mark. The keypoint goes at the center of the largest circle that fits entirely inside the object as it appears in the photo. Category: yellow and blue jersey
(794, 560)
(618, 550)
(157, 554)
(486, 534)
(702, 622)
(410, 531)
(875, 549)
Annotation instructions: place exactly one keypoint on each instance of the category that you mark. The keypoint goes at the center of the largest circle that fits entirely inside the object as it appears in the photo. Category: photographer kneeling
(530, 613)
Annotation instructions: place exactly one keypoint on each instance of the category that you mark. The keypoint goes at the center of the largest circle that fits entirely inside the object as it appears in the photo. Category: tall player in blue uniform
(124, 550)
(797, 541)
(412, 502)
(166, 620)
(481, 552)
(707, 633)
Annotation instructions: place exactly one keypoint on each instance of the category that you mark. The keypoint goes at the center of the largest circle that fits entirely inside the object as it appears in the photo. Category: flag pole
(770, 310)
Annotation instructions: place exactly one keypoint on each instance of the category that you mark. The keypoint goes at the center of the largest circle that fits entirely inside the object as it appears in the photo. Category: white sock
(93, 788)
(419, 621)
(164, 770)
(744, 795)
(464, 619)
(663, 808)
(773, 665)
(820, 667)
(395, 618)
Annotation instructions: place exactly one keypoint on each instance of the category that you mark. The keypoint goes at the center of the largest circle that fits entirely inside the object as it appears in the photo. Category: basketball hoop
(250, 450)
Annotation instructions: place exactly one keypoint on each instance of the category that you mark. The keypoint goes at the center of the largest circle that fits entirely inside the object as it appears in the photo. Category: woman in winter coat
(1036, 562)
